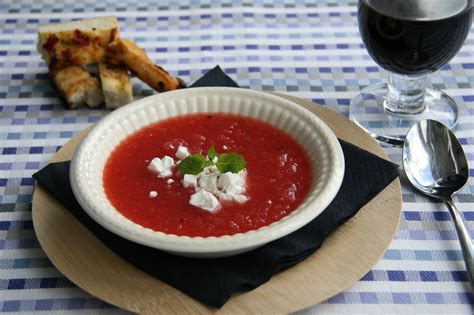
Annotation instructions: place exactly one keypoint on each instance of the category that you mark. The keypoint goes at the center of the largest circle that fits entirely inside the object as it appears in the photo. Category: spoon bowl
(435, 164)
(434, 160)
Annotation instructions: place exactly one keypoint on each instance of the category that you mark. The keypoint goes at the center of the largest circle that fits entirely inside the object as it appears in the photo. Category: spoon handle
(465, 239)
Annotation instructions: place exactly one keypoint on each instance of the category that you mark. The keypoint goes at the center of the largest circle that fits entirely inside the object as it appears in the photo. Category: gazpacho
(207, 175)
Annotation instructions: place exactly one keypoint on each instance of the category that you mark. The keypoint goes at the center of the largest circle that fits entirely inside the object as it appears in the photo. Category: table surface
(310, 49)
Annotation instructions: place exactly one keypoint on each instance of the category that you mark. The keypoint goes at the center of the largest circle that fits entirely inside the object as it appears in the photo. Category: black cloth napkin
(213, 281)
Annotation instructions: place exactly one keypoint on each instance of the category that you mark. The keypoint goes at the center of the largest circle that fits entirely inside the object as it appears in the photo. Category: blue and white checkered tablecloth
(309, 49)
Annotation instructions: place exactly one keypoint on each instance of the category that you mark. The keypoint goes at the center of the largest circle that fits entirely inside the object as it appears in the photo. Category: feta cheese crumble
(225, 187)
(182, 153)
(240, 198)
(232, 183)
(162, 167)
(189, 181)
(208, 181)
(205, 200)
(211, 187)
(232, 186)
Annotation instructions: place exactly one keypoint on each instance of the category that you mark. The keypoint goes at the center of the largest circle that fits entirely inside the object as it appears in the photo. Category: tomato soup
(279, 175)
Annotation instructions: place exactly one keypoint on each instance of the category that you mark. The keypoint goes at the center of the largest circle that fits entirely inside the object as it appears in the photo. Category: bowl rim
(211, 244)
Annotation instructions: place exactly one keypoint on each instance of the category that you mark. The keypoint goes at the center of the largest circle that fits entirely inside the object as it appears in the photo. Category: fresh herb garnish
(226, 162)
(230, 162)
(193, 164)
(211, 153)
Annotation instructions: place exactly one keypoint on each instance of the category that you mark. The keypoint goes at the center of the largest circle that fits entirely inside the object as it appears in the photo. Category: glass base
(367, 110)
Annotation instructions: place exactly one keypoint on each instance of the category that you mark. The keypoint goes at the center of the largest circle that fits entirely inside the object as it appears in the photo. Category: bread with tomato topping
(116, 86)
(77, 42)
(125, 52)
(66, 47)
(77, 86)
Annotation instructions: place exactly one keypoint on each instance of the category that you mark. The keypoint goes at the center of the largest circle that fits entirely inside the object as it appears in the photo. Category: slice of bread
(72, 54)
(116, 86)
(77, 42)
(126, 52)
(77, 86)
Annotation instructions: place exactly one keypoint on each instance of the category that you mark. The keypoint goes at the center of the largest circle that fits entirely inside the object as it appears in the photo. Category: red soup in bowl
(277, 175)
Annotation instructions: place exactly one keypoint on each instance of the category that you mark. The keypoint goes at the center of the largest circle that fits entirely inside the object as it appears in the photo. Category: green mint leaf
(211, 153)
(199, 157)
(203, 160)
(193, 164)
(230, 162)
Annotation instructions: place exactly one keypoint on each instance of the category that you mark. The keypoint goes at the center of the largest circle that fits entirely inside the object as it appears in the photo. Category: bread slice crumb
(77, 86)
(116, 86)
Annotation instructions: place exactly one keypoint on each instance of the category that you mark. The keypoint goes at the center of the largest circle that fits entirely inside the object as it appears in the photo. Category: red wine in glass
(414, 47)
(410, 39)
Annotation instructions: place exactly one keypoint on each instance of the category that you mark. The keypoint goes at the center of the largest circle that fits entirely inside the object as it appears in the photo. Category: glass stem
(406, 94)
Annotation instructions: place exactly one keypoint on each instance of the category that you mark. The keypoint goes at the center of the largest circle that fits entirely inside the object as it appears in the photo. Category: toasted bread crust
(74, 54)
(126, 52)
(104, 29)
(116, 85)
(67, 46)
(77, 42)
(77, 86)
(102, 37)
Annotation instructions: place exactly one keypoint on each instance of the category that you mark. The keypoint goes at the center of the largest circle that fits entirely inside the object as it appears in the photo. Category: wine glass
(410, 39)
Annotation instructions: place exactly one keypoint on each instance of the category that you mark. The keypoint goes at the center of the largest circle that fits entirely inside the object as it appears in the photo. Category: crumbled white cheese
(189, 181)
(224, 187)
(162, 167)
(229, 197)
(292, 192)
(232, 183)
(283, 159)
(294, 167)
(205, 200)
(214, 160)
(209, 170)
(224, 196)
(182, 153)
(240, 198)
(210, 185)
(208, 182)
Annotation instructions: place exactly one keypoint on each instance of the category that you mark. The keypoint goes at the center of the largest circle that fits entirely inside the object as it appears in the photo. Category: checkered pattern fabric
(309, 49)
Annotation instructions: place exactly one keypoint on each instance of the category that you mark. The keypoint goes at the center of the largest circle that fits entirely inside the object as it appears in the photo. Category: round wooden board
(346, 255)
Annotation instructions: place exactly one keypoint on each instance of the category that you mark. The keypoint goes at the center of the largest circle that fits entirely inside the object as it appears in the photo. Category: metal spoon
(435, 164)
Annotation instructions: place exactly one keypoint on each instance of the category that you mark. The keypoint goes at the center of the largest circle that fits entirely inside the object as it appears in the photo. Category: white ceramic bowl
(322, 145)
